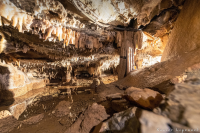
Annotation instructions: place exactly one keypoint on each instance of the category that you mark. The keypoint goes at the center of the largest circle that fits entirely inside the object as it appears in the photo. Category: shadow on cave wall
(6, 96)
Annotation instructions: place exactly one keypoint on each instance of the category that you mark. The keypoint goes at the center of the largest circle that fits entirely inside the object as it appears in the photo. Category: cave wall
(185, 35)
(15, 83)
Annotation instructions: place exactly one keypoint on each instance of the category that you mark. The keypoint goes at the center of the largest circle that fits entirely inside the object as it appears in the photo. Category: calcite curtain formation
(46, 28)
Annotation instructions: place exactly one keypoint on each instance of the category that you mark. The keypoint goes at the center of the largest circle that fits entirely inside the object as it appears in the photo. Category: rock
(145, 98)
(18, 109)
(7, 122)
(120, 87)
(183, 104)
(64, 121)
(120, 105)
(96, 82)
(105, 90)
(62, 109)
(91, 117)
(122, 122)
(183, 37)
(14, 83)
(152, 123)
(115, 96)
(4, 114)
(34, 119)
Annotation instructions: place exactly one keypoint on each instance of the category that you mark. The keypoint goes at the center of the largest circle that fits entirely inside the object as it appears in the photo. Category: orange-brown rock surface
(145, 98)
(184, 36)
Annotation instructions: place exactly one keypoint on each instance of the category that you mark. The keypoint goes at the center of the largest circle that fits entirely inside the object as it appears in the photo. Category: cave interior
(99, 66)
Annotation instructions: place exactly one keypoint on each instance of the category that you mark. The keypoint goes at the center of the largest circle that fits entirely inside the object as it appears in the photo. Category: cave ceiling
(78, 30)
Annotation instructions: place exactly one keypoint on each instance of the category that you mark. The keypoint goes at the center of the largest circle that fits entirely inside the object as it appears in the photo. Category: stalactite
(119, 39)
(0, 21)
(91, 40)
(2, 43)
(68, 36)
(59, 33)
(72, 39)
(77, 36)
(82, 25)
(64, 33)
(95, 43)
(48, 32)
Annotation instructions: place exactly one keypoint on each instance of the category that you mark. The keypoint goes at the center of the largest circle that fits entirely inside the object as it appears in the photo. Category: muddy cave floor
(79, 101)
(42, 115)
(51, 123)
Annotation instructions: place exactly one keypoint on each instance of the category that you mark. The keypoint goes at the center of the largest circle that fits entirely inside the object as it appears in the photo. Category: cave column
(126, 55)
(131, 59)
(128, 61)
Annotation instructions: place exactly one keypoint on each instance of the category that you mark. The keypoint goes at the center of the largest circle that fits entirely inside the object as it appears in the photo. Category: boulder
(105, 90)
(122, 122)
(18, 109)
(145, 98)
(152, 123)
(91, 117)
(183, 104)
